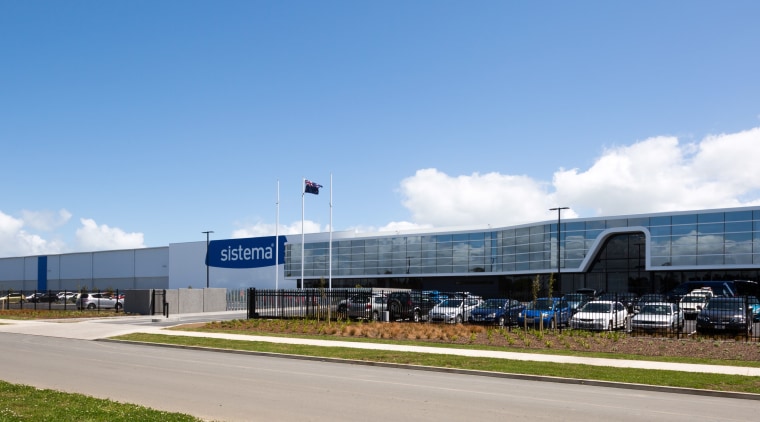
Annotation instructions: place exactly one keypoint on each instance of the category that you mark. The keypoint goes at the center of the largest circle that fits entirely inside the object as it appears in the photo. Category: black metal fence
(62, 300)
(719, 317)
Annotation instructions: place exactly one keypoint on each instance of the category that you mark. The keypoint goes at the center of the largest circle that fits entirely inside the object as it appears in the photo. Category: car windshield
(725, 305)
(451, 303)
(492, 303)
(541, 305)
(655, 310)
(596, 307)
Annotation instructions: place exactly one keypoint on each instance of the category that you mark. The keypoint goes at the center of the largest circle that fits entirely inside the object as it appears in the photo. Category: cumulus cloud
(657, 174)
(45, 220)
(264, 229)
(490, 198)
(94, 237)
(662, 174)
(15, 240)
(653, 175)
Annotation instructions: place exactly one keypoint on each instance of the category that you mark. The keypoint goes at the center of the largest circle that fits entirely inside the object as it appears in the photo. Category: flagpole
(277, 241)
(303, 258)
(329, 275)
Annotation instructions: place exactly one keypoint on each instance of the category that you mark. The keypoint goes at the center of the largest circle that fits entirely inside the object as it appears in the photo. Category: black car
(413, 305)
(44, 298)
(726, 314)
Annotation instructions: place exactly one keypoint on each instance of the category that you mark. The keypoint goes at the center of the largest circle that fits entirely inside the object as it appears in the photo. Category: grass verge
(25, 403)
(554, 352)
(717, 382)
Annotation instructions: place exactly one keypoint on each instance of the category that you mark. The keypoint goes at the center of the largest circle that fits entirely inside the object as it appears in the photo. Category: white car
(658, 316)
(692, 304)
(66, 296)
(454, 311)
(600, 315)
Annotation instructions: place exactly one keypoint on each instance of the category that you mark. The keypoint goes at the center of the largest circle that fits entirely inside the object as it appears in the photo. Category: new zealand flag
(312, 187)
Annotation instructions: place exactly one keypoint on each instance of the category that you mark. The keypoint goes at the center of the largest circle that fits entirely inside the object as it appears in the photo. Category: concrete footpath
(102, 328)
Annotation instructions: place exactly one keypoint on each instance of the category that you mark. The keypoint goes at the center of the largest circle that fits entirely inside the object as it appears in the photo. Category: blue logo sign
(252, 252)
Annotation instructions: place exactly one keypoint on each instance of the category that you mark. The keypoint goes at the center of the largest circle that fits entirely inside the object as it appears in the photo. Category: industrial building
(643, 253)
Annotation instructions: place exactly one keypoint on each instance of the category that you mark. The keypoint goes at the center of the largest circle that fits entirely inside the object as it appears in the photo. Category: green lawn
(24, 403)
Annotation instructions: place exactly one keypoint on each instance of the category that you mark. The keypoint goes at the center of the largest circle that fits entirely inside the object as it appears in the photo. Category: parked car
(627, 299)
(719, 288)
(366, 306)
(454, 311)
(658, 316)
(725, 314)
(551, 312)
(43, 298)
(600, 315)
(98, 300)
(66, 296)
(692, 304)
(576, 300)
(13, 298)
(754, 303)
(649, 298)
(409, 305)
(497, 311)
(30, 298)
(435, 295)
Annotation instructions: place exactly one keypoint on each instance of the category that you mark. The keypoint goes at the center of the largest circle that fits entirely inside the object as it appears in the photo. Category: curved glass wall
(712, 239)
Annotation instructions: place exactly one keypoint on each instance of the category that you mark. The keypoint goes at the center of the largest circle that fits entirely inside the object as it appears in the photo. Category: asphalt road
(239, 387)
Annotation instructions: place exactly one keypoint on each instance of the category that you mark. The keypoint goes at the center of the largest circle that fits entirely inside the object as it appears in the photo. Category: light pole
(559, 232)
(207, 233)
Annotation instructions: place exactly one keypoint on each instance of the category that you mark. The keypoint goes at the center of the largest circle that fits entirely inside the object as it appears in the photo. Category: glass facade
(702, 240)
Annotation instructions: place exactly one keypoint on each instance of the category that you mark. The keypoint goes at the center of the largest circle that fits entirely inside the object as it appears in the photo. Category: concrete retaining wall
(180, 301)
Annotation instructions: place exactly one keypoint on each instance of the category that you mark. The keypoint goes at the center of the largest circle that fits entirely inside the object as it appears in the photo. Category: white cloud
(92, 237)
(45, 220)
(15, 241)
(263, 229)
(437, 199)
(653, 175)
(657, 174)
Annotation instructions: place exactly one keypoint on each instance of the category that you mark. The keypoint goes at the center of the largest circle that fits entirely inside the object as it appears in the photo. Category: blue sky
(142, 123)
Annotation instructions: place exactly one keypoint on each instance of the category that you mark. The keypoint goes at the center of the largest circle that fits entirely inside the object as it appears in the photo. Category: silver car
(98, 300)
(367, 307)
(658, 316)
(454, 311)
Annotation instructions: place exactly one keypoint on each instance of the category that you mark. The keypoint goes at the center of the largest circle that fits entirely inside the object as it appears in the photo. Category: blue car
(500, 312)
(754, 303)
(551, 312)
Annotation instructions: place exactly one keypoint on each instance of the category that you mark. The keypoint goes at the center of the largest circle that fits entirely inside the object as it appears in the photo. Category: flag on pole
(312, 187)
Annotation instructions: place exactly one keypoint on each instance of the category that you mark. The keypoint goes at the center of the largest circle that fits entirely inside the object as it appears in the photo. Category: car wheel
(501, 321)
(458, 319)
(416, 317)
(91, 306)
(610, 326)
(375, 316)
(342, 309)
(552, 324)
(118, 306)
